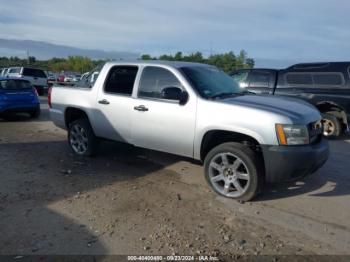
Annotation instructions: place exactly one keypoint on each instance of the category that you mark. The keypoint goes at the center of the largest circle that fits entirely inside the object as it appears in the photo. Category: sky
(298, 30)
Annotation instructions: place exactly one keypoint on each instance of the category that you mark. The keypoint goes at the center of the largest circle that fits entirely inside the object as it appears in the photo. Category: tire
(331, 126)
(248, 171)
(81, 138)
(35, 113)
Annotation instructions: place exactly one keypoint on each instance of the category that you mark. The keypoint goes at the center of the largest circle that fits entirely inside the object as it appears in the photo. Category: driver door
(162, 123)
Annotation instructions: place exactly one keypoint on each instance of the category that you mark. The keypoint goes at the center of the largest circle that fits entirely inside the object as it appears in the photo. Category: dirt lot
(134, 201)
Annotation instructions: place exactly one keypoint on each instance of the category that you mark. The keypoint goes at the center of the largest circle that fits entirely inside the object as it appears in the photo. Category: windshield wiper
(226, 94)
(248, 92)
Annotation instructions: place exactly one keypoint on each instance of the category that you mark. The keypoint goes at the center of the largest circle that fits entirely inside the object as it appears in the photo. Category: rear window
(34, 72)
(334, 79)
(121, 80)
(299, 79)
(14, 84)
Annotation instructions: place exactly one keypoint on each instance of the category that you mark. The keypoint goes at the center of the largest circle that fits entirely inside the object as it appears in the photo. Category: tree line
(228, 62)
(72, 63)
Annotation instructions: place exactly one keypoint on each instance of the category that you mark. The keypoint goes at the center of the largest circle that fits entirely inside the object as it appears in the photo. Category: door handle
(141, 108)
(104, 102)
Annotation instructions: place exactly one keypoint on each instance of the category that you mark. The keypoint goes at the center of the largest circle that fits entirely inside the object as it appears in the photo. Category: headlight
(292, 134)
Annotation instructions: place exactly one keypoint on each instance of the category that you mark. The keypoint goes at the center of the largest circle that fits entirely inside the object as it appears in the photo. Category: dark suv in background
(325, 85)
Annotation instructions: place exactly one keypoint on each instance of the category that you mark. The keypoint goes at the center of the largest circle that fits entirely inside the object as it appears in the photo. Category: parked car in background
(76, 78)
(37, 77)
(18, 96)
(3, 72)
(324, 85)
(69, 78)
(197, 111)
(84, 75)
(51, 77)
(60, 78)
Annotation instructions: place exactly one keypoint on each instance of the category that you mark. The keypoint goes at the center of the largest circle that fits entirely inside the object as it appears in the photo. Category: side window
(299, 79)
(241, 78)
(155, 81)
(15, 70)
(259, 79)
(120, 80)
(332, 79)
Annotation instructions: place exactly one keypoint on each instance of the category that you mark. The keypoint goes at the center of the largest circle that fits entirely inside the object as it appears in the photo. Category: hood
(299, 111)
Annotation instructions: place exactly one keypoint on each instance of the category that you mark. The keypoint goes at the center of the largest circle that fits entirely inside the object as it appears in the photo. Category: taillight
(36, 92)
(49, 96)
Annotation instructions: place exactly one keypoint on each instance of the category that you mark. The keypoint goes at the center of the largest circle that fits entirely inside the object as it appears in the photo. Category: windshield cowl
(230, 94)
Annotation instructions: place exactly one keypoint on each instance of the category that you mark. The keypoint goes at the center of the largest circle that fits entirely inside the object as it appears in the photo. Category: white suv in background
(37, 77)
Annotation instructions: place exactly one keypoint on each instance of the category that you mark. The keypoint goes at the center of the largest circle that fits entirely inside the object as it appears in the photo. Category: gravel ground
(121, 202)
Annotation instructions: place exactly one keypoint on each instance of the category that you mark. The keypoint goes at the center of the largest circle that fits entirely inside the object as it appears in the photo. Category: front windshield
(209, 81)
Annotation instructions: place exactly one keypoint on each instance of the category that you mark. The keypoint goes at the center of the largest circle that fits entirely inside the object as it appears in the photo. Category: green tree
(31, 60)
(146, 57)
(178, 56)
(250, 62)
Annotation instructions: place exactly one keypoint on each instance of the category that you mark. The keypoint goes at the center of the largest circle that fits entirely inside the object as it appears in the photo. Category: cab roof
(175, 64)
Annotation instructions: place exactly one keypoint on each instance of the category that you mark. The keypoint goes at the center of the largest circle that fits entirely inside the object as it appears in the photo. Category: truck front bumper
(288, 163)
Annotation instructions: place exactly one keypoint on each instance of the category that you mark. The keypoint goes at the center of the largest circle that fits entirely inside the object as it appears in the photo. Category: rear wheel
(331, 126)
(234, 171)
(81, 138)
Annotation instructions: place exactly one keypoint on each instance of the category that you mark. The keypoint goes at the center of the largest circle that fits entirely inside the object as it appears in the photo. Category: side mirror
(175, 93)
(184, 98)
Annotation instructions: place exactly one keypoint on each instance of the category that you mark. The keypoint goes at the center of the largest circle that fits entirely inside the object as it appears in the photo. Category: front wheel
(331, 126)
(234, 170)
(81, 138)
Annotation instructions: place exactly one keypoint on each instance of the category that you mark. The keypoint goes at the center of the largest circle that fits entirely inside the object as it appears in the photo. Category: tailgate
(36, 81)
(17, 95)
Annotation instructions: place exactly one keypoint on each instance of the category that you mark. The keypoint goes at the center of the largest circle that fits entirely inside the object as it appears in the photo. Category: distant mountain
(44, 50)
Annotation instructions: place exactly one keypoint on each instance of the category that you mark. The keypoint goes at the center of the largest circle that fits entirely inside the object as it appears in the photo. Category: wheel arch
(73, 113)
(333, 108)
(214, 137)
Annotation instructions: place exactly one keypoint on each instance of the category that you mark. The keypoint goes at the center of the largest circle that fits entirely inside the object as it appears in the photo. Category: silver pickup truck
(197, 111)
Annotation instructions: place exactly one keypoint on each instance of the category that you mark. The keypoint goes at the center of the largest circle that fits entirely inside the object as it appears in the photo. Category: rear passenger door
(113, 113)
(162, 123)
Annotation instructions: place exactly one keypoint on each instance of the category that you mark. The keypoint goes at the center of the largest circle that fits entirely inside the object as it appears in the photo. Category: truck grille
(315, 131)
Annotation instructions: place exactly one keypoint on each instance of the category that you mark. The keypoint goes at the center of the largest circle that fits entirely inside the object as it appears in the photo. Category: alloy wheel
(229, 175)
(328, 127)
(78, 139)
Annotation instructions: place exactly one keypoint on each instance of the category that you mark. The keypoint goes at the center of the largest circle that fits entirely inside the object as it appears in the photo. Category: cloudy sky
(267, 29)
